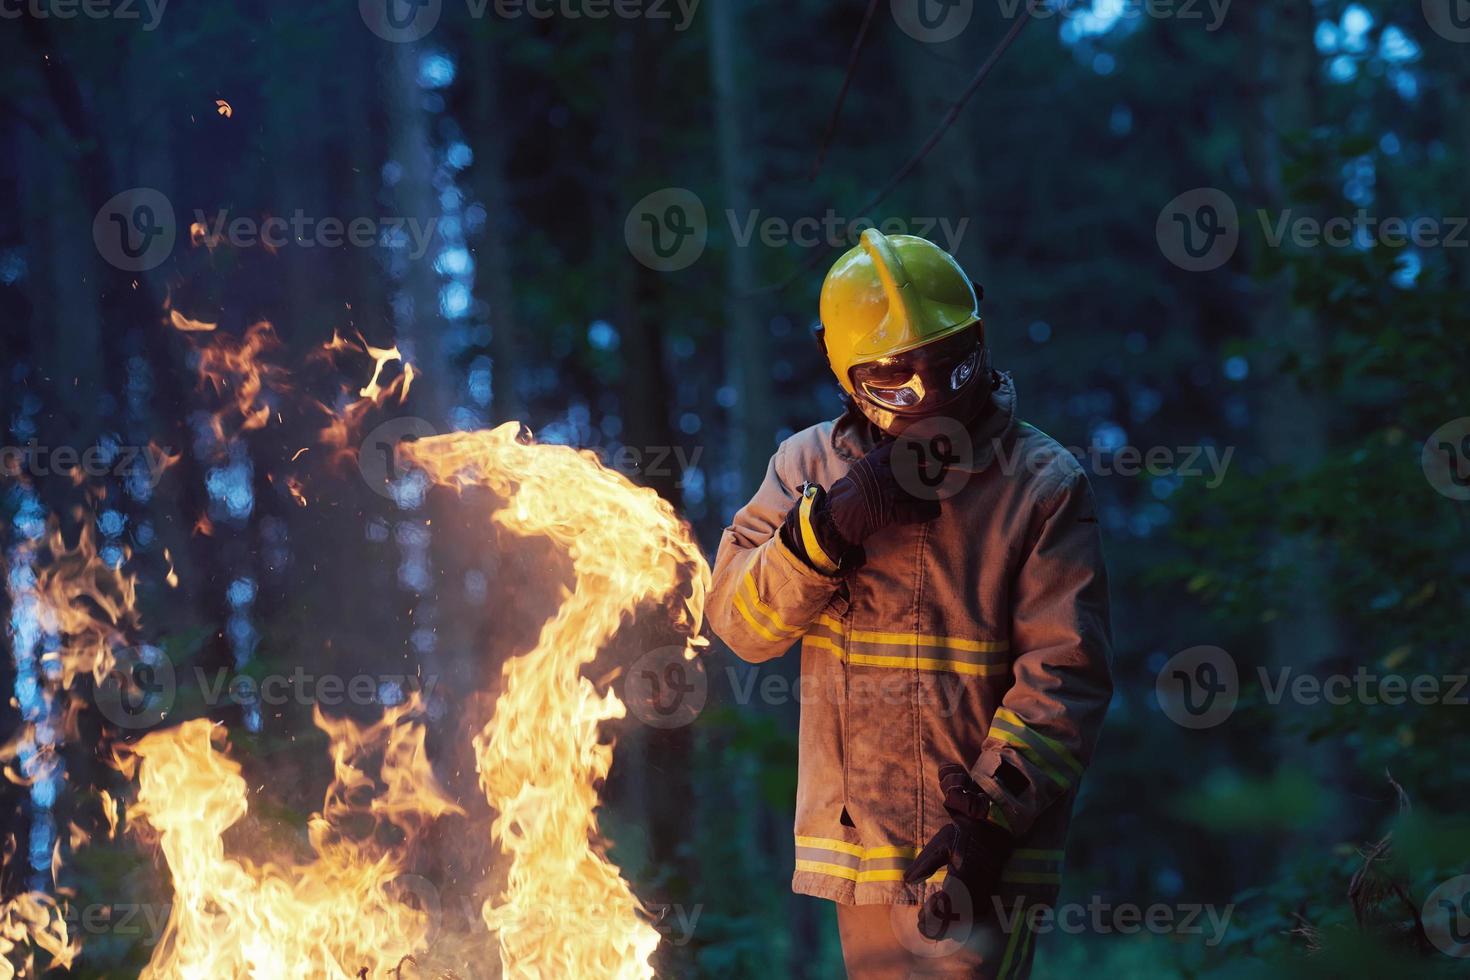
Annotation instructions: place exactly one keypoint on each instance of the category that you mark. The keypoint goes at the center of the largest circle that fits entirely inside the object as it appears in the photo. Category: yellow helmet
(888, 295)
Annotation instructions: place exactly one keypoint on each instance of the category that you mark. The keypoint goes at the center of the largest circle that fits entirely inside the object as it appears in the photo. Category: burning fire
(343, 911)
(566, 911)
(337, 916)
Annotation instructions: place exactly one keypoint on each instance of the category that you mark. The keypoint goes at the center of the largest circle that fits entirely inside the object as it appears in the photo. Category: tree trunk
(751, 418)
(493, 268)
(1292, 423)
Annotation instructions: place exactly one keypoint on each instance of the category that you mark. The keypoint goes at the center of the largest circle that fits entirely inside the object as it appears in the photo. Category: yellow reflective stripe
(1063, 753)
(823, 868)
(911, 642)
(1016, 940)
(886, 874)
(1025, 955)
(925, 663)
(926, 640)
(873, 853)
(823, 643)
(827, 843)
(1031, 753)
(748, 584)
(756, 624)
(809, 541)
(1038, 854)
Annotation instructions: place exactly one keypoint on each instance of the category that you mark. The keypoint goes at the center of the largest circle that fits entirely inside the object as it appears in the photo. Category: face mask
(920, 382)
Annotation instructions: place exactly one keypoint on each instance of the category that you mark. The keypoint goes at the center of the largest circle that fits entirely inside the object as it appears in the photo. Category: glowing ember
(239, 373)
(344, 425)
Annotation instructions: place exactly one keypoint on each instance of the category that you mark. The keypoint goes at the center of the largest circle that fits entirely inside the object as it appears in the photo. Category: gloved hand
(973, 849)
(869, 498)
(866, 500)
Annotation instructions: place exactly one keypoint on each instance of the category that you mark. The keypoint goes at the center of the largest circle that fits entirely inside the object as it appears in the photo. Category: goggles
(922, 380)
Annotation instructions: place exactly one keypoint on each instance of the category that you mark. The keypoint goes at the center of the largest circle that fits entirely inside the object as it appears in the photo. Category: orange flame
(85, 601)
(33, 919)
(566, 911)
(337, 916)
(342, 428)
(344, 911)
(235, 367)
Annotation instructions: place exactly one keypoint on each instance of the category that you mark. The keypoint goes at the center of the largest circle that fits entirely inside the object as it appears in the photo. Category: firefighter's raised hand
(870, 497)
(828, 527)
(972, 849)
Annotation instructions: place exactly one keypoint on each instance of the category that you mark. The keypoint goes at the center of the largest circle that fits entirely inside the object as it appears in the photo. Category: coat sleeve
(764, 596)
(1042, 736)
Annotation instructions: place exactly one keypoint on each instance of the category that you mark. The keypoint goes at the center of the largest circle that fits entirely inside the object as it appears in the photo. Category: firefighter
(941, 563)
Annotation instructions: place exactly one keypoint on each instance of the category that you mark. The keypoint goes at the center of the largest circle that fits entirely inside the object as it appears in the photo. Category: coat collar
(853, 436)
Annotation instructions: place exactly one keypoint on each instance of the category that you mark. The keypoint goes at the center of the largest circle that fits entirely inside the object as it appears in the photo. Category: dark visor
(922, 380)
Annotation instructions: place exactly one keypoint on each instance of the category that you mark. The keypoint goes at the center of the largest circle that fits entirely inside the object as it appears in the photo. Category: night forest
(274, 278)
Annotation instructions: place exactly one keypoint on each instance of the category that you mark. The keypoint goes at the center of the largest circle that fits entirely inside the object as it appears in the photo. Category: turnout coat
(981, 637)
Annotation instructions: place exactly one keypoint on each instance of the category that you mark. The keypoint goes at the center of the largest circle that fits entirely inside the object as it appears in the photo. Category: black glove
(866, 500)
(973, 849)
(869, 498)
